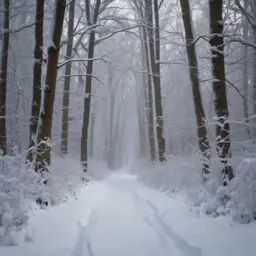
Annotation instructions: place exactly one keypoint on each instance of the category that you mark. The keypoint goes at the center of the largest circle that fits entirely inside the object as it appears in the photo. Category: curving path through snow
(121, 217)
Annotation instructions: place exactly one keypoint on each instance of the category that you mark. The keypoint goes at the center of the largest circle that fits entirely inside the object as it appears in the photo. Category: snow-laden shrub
(182, 175)
(21, 187)
(178, 174)
(63, 180)
(17, 184)
(243, 191)
(65, 177)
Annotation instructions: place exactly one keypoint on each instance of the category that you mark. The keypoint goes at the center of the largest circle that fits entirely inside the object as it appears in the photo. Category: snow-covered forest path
(123, 222)
(120, 216)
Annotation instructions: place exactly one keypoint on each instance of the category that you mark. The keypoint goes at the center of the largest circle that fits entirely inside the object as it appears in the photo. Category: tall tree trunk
(141, 126)
(111, 121)
(37, 76)
(202, 136)
(158, 95)
(65, 99)
(245, 71)
(219, 88)
(254, 80)
(87, 103)
(88, 84)
(44, 156)
(140, 104)
(3, 78)
(150, 108)
(143, 108)
(91, 133)
(116, 156)
(154, 48)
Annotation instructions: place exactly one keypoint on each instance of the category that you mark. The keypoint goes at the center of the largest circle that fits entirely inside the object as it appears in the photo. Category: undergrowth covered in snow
(182, 175)
(20, 186)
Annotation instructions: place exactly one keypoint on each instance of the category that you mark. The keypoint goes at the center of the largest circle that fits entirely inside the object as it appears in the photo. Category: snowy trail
(121, 228)
(164, 230)
(120, 216)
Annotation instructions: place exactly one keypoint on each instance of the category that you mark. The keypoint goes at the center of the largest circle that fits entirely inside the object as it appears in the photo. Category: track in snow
(120, 217)
(126, 224)
(163, 230)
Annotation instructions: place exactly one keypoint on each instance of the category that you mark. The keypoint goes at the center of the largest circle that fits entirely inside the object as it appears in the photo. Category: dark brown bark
(88, 84)
(202, 136)
(65, 100)
(154, 48)
(219, 88)
(3, 78)
(37, 73)
(44, 156)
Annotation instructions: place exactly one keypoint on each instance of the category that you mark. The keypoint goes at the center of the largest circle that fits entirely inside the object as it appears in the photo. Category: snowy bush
(63, 179)
(243, 192)
(178, 174)
(182, 175)
(17, 185)
(21, 186)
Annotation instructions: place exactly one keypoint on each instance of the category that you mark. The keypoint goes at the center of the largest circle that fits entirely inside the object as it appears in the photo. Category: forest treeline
(79, 27)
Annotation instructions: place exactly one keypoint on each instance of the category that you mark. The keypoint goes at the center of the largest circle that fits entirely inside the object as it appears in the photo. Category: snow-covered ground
(120, 216)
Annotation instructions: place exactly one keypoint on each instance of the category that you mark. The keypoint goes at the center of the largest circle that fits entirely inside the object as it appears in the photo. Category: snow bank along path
(121, 217)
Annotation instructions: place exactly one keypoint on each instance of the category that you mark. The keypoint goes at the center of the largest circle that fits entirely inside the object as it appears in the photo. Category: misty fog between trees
(161, 91)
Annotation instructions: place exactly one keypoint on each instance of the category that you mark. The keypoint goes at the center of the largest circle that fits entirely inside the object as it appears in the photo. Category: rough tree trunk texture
(245, 71)
(223, 142)
(154, 48)
(3, 78)
(88, 85)
(150, 107)
(202, 136)
(44, 155)
(65, 99)
(37, 76)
